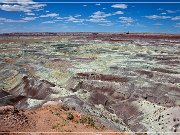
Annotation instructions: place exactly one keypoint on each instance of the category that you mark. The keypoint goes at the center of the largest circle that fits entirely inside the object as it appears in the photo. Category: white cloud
(99, 14)
(155, 17)
(118, 13)
(48, 22)
(20, 5)
(37, 6)
(29, 18)
(18, 8)
(126, 24)
(47, 11)
(176, 18)
(2, 19)
(171, 11)
(126, 19)
(99, 17)
(98, 4)
(25, 19)
(163, 13)
(160, 9)
(22, 2)
(107, 24)
(77, 16)
(99, 20)
(59, 18)
(84, 5)
(50, 15)
(10, 20)
(73, 19)
(177, 25)
(122, 6)
(30, 13)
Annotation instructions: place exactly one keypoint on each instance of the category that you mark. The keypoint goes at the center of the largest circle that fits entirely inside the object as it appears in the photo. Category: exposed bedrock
(117, 98)
(155, 92)
(102, 77)
(97, 111)
(30, 87)
(28, 93)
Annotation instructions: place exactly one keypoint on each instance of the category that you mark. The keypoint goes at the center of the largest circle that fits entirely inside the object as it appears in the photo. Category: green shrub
(88, 120)
(70, 116)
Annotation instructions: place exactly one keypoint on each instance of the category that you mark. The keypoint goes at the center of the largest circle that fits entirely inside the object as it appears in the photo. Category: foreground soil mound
(48, 118)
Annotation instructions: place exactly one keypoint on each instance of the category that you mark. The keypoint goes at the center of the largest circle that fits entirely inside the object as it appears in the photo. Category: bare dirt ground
(49, 119)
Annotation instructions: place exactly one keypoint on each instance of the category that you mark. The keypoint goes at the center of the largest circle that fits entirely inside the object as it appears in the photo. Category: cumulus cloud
(177, 25)
(122, 6)
(163, 13)
(98, 4)
(2, 19)
(50, 15)
(126, 19)
(20, 5)
(11, 20)
(99, 17)
(99, 14)
(155, 17)
(60, 18)
(37, 6)
(172, 11)
(77, 16)
(29, 18)
(74, 19)
(118, 13)
(176, 18)
(99, 20)
(30, 13)
(25, 19)
(18, 8)
(22, 2)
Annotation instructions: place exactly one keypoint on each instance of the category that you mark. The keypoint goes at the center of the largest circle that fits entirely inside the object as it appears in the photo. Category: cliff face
(127, 82)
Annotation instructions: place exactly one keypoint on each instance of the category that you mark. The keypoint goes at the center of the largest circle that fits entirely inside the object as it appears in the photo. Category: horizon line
(95, 32)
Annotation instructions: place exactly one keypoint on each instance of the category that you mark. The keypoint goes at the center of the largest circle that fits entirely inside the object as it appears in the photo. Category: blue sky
(34, 16)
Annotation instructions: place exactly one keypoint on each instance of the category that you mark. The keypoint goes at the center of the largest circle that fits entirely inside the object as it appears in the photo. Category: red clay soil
(48, 119)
